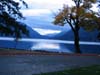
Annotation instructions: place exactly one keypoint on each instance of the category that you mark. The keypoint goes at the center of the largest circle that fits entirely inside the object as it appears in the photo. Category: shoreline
(40, 52)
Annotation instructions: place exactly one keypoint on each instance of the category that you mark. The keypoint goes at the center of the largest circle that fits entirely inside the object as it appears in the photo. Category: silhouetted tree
(76, 16)
(99, 20)
(9, 13)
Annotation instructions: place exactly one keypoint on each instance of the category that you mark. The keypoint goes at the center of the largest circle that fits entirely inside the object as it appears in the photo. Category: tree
(99, 20)
(76, 16)
(9, 15)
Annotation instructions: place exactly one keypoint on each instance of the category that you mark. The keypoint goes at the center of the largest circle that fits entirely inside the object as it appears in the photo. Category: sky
(40, 15)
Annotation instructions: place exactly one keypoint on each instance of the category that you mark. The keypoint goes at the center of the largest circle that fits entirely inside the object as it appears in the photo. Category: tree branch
(77, 3)
(69, 22)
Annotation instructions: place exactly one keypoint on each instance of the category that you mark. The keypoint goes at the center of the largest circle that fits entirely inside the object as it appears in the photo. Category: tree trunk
(16, 41)
(76, 42)
(15, 45)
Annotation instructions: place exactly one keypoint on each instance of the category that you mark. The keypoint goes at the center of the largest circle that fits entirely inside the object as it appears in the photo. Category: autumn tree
(98, 20)
(76, 16)
(9, 15)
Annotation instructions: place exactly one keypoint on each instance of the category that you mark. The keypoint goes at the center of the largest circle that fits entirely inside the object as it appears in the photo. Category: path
(33, 64)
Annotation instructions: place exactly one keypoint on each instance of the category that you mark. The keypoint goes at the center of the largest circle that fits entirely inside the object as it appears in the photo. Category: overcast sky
(48, 5)
(44, 8)
(40, 14)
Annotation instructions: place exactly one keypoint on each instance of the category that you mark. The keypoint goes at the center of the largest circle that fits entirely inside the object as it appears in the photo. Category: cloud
(47, 4)
(35, 12)
(46, 31)
(38, 7)
(41, 13)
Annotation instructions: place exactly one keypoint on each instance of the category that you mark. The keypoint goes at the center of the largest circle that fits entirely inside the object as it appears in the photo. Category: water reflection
(56, 47)
(46, 46)
(49, 45)
(42, 45)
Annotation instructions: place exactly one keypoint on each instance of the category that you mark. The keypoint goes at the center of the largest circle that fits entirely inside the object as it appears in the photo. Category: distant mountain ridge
(32, 34)
(84, 35)
(64, 35)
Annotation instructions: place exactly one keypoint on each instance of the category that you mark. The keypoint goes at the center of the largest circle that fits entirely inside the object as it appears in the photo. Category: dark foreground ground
(35, 63)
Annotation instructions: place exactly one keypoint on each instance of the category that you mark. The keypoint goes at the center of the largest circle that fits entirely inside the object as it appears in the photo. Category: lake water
(49, 45)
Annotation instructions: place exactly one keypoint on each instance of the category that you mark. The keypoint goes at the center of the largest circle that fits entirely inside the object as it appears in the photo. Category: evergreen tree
(9, 15)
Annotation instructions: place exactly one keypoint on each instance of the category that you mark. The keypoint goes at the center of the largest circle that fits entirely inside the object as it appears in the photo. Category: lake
(49, 45)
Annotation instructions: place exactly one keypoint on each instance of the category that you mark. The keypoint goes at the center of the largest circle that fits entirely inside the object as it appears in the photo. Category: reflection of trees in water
(90, 49)
(67, 47)
(25, 45)
(19, 44)
(84, 48)
(7, 44)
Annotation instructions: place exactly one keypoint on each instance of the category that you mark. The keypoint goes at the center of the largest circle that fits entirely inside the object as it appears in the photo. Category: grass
(91, 70)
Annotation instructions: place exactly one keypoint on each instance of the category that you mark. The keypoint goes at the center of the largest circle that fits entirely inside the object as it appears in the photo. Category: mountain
(22, 44)
(33, 33)
(64, 35)
(84, 35)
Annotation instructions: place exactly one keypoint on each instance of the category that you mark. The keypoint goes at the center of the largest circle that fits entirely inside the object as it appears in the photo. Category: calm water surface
(49, 45)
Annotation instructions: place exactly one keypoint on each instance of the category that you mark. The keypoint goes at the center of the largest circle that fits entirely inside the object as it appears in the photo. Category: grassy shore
(12, 51)
(91, 70)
